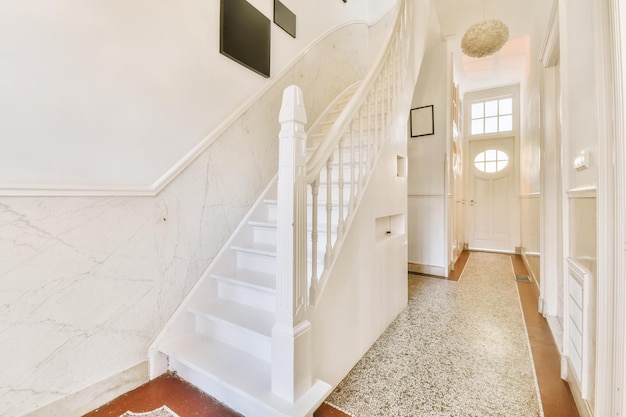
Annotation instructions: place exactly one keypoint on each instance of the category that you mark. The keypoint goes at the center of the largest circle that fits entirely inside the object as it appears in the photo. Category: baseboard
(557, 331)
(584, 410)
(428, 269)
(96, 395)
(531, 274)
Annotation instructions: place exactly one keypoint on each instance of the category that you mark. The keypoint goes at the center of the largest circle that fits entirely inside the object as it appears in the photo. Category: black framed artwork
(422, 121)
(284, 18)
(245, 35)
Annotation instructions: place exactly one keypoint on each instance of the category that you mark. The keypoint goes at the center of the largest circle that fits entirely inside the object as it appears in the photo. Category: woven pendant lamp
(484, 38)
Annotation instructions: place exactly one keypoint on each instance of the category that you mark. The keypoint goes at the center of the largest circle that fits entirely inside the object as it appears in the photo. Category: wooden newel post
(291, 335)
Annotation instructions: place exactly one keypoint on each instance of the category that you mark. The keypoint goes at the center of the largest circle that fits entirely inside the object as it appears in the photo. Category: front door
(492, 216)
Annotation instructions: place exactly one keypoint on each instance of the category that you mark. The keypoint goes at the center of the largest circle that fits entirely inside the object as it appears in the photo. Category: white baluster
(291, 335)
(329, 211)
(315, 187)
(353, 189)
(340, 192)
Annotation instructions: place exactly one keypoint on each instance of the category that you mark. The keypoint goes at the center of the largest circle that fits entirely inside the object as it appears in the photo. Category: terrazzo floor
(474, 358)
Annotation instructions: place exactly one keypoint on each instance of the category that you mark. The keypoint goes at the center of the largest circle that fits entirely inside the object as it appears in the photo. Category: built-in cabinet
(580, 295)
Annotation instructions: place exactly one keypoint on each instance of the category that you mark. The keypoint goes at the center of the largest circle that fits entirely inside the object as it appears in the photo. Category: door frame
(498, 142)
(482, 95)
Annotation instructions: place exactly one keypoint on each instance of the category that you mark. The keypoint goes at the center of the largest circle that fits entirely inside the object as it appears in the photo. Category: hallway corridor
(467, 376)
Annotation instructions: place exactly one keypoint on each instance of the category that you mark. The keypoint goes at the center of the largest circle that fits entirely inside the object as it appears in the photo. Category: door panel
(492, 224)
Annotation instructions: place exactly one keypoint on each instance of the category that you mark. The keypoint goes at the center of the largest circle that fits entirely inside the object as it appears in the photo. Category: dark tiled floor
(187, 401)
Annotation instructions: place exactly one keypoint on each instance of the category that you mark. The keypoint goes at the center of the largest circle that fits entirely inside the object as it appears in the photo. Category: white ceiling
(506, 66)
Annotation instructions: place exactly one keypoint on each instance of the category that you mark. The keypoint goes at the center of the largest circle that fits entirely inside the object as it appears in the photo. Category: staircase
(233, 318)
(228, 336)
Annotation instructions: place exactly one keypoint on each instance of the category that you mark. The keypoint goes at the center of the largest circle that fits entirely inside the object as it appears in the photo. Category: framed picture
(284, 18)
(422, 121)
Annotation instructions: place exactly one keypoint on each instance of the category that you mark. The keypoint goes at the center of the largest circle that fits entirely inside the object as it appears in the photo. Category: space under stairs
(225, 338)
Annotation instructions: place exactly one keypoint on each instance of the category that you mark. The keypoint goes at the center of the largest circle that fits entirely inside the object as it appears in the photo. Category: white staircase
(226, 350)
(242, 335)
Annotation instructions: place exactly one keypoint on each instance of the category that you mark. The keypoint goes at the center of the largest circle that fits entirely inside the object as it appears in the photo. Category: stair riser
(232, 397)
(271, 212)
(270, 235)
(262, 234)
(262, 263)
(253, 343)
(247, 295)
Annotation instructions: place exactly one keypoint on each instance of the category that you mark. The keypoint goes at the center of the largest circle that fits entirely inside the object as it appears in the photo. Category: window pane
(506, 106)
(506, 123)
(491, 108)
(491, 161)
(491, 125)
(477, 127)
(477, 110)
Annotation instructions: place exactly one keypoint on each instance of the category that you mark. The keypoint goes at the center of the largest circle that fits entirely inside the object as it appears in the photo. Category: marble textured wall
(87, 282)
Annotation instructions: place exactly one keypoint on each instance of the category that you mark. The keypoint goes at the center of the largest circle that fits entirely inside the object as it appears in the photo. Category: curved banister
(325, 188)
(318, 159)
(318, 196)
(352, 145)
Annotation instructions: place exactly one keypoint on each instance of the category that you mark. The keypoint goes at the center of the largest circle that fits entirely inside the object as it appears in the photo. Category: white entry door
(493, 220)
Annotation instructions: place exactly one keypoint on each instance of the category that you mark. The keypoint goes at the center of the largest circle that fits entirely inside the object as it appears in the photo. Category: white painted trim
(38, 190)
(618, 15)
(427, 269)
(511, 252)
(582, 192)
(584, 409)
(609, 375)
(550, 50)
(89, 398)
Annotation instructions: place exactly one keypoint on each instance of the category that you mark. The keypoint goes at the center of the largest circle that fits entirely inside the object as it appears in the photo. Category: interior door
(492, 217)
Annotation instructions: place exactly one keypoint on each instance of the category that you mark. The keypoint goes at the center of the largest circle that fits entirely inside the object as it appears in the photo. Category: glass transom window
(491, 161)
(492, 116)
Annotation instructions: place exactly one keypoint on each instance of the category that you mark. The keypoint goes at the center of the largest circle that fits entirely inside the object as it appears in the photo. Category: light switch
(582, 161)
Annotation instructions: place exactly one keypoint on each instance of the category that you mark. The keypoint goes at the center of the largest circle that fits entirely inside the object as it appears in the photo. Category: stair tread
(254, 319)
(220, 360)
(249, 277)
(256, 247)
(261, 223)
(244, 374)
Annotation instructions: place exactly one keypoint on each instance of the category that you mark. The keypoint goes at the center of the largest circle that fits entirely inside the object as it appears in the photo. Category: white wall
(108, 94)
(533, 112)
(580, 97)
(426, 162)
(87, 282)
(377, 8)
(368, 285)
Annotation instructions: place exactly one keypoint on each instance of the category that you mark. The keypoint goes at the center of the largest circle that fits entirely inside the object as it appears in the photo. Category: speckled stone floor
(458, 349)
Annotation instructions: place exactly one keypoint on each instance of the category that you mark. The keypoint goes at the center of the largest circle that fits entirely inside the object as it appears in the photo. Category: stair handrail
(296, 286)
(390, 65)
(319, 156)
